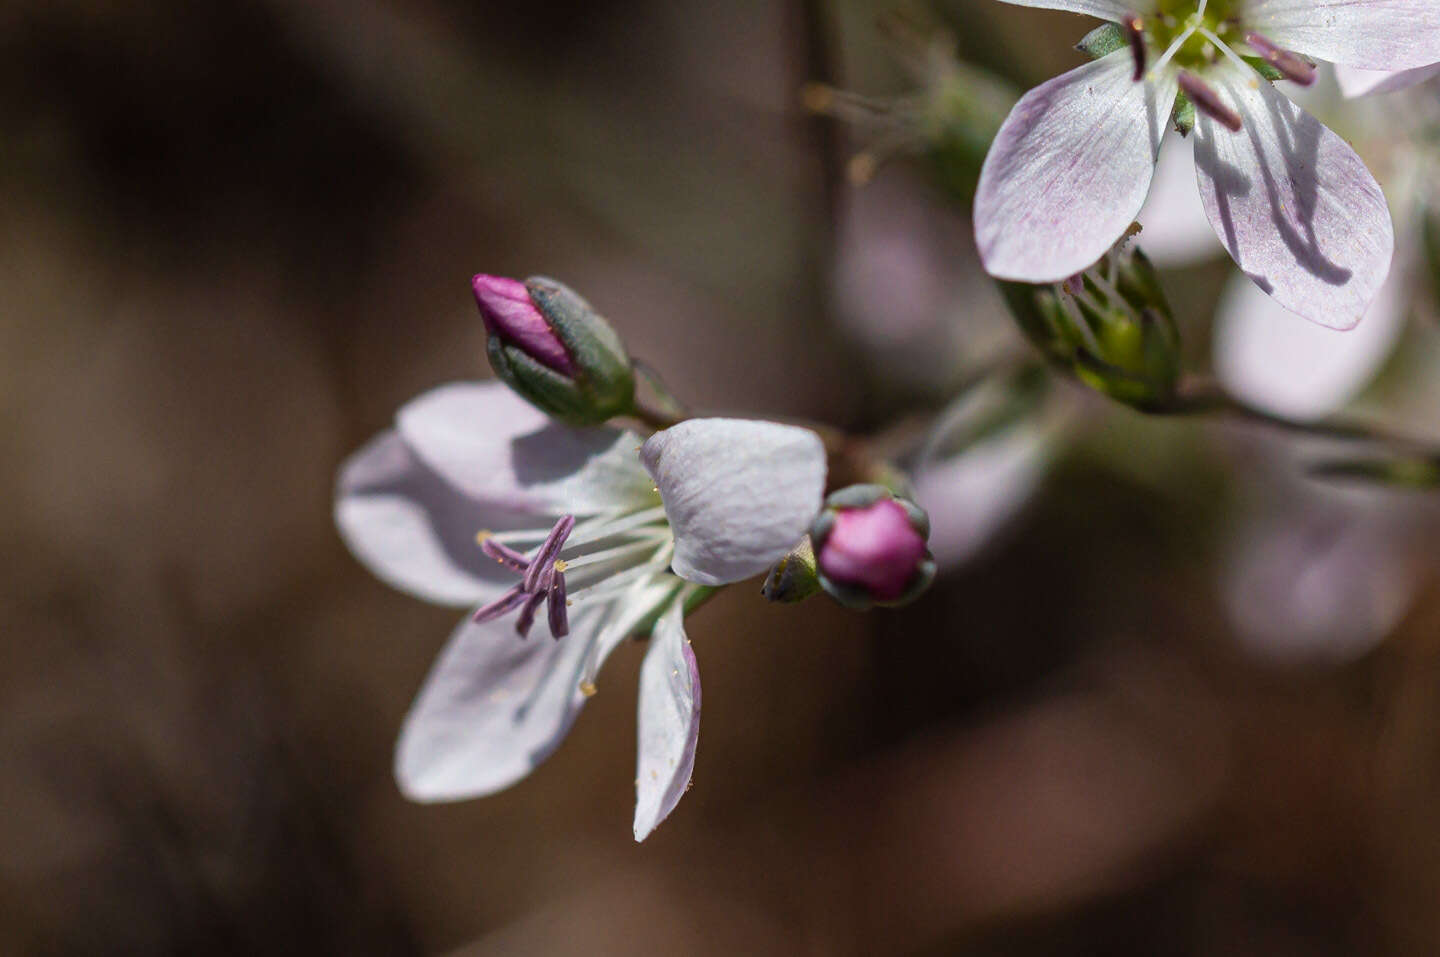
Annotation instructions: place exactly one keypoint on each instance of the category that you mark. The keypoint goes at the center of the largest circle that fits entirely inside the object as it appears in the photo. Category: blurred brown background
(236, 236)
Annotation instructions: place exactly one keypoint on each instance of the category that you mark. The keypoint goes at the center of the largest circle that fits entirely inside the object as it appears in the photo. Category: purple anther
(1134, 28)
(876, 548)
(504, 554)
(1292, 66)
(508, 312)
(500, 606)
(1207, 101)
(526, 621)
(559, 614)
(544, 559)
(1075, 285)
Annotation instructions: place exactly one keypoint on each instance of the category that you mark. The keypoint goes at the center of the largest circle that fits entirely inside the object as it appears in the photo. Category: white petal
(1373, 34)
(1271, 359)
(971, 496)
(495, 705)
(1177, 231)
(1069, 170)
(494, 446)
(1320, 585)
(1357, 82)
(1292, 203)
(738, 493)
(412, 530)
(1104, 9)
(668, 724)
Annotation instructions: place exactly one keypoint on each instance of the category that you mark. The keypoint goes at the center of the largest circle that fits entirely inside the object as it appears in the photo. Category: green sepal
(1415, 472)
(794, 577)
(1265, 68)
(1183, 116)
(605, 378)
(1103, 41)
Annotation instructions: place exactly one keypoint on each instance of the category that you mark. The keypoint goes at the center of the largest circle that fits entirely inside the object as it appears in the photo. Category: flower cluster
(1291, 202)
(476, 498)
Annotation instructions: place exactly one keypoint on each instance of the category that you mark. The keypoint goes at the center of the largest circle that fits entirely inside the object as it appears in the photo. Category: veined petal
(414, 531)
(1069, 170)
(495, 447)
(738, 493)
(1357, 82)
(493, 707)
(1373, 34)
(1177, 231)
(668, 723)
(1104, 9)
(1293, 205)
(1273, 360)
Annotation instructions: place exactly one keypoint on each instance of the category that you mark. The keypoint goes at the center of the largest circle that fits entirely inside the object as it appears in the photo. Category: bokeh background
(238, 235)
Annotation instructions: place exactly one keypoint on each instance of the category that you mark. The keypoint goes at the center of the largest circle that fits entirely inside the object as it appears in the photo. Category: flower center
(1191, 35)
(602, 557)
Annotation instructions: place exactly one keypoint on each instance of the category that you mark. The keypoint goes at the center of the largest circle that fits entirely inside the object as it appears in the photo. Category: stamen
(1207, 101)
(526, 621)
(544, 559)
(606, 525)
(559, 612)
(1288, 63)
(500, 606)
(646, 543)
(503, 554)
(1135, 31)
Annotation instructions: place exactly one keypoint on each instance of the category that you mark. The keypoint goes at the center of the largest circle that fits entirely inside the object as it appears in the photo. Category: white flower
(1356, 82)
(1290, 201)
(722, 499)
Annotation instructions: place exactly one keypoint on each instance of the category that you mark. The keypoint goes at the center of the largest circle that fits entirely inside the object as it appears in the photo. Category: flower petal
(1321, 584)
(669, 721)
(1373, 35)
(1292, 203)
(738, 493)
(495, 447)
(412, 530)
(495, 705)
(1177, 231)
(971, 496)
(1104, 9)
(1357, 82)
(1269, 358)
(1069, 170)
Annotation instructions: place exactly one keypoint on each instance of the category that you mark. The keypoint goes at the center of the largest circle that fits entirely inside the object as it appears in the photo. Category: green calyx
(603, 385)
(1111, 327)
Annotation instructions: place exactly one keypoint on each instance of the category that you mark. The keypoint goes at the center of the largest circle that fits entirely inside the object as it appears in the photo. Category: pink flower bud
(876, 548)
(510, 314)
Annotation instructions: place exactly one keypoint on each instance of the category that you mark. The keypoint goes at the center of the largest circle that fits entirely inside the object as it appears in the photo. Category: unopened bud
(870, 547)
(1110, 326)
(553, 349)
(793, 578)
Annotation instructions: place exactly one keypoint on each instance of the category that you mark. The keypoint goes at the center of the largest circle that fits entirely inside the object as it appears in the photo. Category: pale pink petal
(1271, 359)
(1357, 82)
(1293, 205)
(495, 447)
(416, 532)
(1104, 9)
(668, 724)
(1177, 231)
(1069, 170)
(1372, 34)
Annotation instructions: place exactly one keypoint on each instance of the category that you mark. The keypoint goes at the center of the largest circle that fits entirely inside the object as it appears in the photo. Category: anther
(503, 554)
(545, 558)
(559, 616)
(1292, 66)
(526, 621)
(1135, 30)
(1207, 101)
(500, 606)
